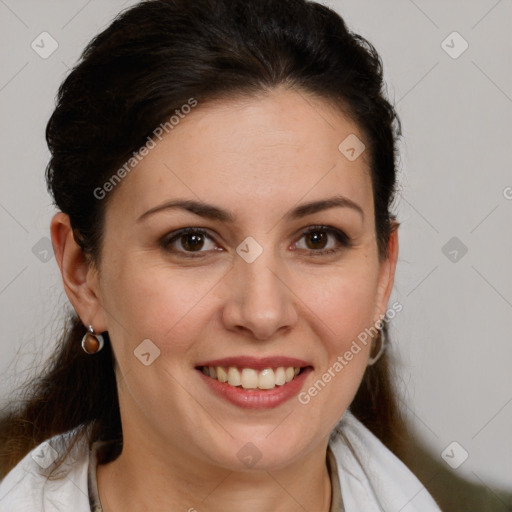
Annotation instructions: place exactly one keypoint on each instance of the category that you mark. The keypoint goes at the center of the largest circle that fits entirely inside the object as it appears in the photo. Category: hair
(152, 59)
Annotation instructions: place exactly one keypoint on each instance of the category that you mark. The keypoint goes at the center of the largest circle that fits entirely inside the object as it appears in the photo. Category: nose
(259, 302)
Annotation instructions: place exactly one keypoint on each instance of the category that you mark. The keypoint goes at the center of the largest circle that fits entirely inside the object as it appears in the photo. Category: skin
(257, 157)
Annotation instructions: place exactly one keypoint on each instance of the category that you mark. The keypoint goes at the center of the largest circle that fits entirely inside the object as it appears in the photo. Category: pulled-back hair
(130, 78)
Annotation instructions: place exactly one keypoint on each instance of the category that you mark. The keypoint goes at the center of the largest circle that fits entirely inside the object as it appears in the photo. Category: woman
(224, 172)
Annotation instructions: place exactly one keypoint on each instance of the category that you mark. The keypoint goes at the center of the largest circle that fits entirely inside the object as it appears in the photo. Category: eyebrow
(213, 212)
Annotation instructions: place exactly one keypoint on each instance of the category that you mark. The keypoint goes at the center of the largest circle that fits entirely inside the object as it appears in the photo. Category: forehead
(261, 151)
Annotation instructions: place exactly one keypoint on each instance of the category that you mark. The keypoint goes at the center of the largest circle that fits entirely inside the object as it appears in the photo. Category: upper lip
(258, 363)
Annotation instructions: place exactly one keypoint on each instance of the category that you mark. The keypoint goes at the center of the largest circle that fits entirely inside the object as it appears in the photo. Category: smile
(250, 378)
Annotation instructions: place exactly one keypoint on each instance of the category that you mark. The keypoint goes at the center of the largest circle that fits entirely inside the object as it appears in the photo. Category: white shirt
(370, 477)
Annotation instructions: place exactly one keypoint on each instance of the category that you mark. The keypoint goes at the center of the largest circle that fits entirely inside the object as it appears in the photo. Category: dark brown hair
(131, 77)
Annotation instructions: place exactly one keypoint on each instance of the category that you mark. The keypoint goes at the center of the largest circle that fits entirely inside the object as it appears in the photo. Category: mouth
(253, 378)
(255, 383)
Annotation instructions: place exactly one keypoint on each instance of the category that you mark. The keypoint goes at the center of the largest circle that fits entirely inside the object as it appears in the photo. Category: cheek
(172, 306)
(343, 307)
(342, 300)
(158, 303)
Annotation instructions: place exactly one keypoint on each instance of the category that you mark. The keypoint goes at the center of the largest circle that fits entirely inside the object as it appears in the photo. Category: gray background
(454, 333)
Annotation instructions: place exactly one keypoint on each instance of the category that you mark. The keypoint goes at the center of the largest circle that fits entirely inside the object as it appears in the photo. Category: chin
(263, 449)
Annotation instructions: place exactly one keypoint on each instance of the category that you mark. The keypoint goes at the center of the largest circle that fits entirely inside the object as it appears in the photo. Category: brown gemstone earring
(92, 343)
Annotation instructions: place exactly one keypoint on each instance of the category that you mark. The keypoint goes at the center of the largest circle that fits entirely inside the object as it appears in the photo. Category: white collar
(371, 477)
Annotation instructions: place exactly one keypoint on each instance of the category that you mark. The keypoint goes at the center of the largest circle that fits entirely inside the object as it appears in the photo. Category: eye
(188, 241)
(193, 242)
(317, 240)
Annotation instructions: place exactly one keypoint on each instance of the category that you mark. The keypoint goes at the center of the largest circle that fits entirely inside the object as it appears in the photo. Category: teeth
(280, 376)
(249, 378)
(234, 377)
(222, 376)
(267, 379)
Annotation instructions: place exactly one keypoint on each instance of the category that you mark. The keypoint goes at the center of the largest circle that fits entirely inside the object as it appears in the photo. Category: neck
(144, 479)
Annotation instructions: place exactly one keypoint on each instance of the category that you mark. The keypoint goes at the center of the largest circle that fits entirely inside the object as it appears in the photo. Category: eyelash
(343, 239)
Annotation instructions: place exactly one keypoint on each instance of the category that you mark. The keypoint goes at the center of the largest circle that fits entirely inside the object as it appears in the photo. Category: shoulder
(371, 477)
(31, 485)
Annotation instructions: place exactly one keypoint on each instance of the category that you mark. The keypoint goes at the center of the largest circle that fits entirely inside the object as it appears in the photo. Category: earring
(92, 343)
(376, 357)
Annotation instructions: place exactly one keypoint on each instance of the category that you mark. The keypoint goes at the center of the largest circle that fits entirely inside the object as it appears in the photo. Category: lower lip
(257, 398)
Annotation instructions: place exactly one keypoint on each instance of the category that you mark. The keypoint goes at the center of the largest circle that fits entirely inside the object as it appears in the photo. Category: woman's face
(251, 290)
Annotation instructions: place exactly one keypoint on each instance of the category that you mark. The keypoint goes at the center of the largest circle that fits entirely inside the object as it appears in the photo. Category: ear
(79, 276)
(387, 274)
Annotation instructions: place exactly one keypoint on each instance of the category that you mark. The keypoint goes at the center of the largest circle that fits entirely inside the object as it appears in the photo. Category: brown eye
(191, 242)
(318, 239)
(188, 241)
